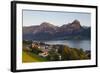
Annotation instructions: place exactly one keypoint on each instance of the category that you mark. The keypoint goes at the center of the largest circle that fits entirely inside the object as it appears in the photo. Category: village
(44, 50)
(55, 52)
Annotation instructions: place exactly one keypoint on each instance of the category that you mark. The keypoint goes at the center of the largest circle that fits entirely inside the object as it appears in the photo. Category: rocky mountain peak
(75, 24)
(46, 24)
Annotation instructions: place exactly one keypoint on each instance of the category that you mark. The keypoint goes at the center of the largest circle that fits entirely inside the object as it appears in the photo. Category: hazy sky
(31, 18)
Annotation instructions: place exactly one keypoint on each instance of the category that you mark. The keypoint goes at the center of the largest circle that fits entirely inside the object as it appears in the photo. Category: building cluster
(45, 48)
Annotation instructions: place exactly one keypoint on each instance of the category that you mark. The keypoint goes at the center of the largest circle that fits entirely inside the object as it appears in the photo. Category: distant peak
(46, 24)
(76, 21)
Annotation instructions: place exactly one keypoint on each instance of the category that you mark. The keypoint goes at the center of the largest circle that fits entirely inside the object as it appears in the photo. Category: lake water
(84, 44)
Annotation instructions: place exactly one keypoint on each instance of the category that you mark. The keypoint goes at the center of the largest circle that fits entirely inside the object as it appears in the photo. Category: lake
(84, 44)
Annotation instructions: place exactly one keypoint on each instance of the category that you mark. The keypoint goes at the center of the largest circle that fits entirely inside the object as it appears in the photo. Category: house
(44, 53)
(35, 45)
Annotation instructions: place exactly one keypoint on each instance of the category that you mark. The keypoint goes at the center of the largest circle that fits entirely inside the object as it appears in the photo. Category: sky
(33, 17)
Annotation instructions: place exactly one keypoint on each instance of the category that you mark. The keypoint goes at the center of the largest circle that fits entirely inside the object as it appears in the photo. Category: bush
(53, 56)
(35, 50)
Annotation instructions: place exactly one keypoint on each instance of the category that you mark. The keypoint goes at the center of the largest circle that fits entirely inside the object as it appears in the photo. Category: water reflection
(84, 44)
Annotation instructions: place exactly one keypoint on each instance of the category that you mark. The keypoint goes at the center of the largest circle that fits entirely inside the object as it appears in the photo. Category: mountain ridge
(48, 31)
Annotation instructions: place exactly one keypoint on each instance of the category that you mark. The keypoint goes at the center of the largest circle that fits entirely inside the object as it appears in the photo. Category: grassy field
(30, 57)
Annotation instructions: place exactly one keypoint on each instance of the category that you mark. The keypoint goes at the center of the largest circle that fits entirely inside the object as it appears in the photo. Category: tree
(36, 50)
(66, 53)
(53, 56)
(73, 54)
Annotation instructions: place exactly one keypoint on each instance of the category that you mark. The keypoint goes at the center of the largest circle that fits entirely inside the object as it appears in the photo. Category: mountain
(70, 27)
(44, 27)
(48, 31)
